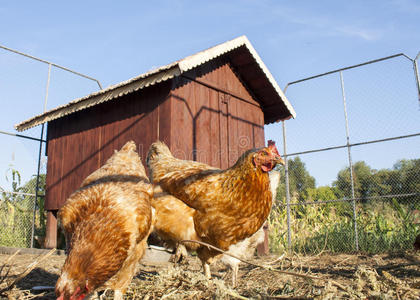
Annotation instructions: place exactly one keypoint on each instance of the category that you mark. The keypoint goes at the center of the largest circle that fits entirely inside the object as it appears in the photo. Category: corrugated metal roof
(155, 76)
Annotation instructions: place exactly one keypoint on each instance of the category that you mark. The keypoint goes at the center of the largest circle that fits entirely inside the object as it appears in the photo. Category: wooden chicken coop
(209, 107)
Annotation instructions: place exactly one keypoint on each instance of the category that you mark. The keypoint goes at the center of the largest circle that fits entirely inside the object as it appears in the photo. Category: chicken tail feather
(129, 146)
(157, 150)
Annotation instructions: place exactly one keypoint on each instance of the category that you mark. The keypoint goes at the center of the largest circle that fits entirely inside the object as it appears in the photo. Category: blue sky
(114, 41)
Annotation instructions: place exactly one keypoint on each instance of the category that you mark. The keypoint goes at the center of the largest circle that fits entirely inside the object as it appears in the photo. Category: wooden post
(51, 231)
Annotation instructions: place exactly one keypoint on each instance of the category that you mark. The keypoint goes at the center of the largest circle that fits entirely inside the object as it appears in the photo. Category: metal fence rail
(362, 209)
(21, 209)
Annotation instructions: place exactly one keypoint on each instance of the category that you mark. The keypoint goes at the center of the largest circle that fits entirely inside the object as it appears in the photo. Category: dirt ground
(341, 276)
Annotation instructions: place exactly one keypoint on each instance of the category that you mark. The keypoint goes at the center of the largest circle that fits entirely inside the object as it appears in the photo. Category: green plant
(382, 227)
(16, 211)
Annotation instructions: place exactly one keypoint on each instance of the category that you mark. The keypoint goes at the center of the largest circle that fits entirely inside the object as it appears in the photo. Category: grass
(381, 227)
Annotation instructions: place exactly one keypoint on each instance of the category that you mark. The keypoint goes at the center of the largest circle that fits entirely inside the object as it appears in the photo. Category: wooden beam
(51, 230)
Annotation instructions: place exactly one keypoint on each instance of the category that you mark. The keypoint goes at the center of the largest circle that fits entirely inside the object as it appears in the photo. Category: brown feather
(107, 221)
(230, 205)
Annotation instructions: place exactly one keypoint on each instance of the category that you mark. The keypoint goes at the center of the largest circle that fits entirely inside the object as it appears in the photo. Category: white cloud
(321, 25)
(365, 34)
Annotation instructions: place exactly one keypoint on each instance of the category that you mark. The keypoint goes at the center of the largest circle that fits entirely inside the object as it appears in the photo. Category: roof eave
(99, 97)
(162, 74)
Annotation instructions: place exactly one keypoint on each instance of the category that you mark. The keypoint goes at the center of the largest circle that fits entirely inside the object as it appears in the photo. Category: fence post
(50, 217)
(39, 159)
(286, 177)
(356, 236)
(416, 73)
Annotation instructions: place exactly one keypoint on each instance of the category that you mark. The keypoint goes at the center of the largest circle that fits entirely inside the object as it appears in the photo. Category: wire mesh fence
(352, 179)
(383, 225)
(25, 87)
(352, 176)
(22, 215)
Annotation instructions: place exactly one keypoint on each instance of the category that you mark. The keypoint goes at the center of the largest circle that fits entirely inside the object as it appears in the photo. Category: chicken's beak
(279, 160)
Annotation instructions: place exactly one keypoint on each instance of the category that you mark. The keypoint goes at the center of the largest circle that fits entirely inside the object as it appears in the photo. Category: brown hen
(174, 222)
(107, 221)
(226, 206)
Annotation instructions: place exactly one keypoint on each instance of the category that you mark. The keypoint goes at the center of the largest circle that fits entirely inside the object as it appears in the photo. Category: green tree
(403, 178)
(322, 193)
(382, 182)
(362, 176)
(299, 177)
(299, 181)
(407, 178)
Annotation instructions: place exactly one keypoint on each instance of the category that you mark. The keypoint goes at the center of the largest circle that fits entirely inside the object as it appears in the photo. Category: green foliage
(407, 176)
(362, 175)
(403, 178)
(300, 180)
(16, 210)
(322, 193)
(30, 188)
(383, 225)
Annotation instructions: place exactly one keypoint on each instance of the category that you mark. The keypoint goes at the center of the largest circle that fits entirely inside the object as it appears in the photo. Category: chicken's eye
(264, 153)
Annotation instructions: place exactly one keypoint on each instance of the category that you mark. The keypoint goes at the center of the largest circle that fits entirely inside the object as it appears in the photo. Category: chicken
(107, 221)
(226, 206)
(174, 222)
(245, 249)
(274, 182)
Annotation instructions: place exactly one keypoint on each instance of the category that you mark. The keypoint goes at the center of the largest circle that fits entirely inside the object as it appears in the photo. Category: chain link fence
(352, 179)
(25, 83)
(22, 215)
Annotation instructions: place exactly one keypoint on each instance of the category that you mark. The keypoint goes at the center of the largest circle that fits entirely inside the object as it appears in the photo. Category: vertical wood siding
(80, 143)
(197, 121)
(209, 125)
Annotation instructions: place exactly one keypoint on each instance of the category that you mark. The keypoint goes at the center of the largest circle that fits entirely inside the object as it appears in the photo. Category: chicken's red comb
(272, 145)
